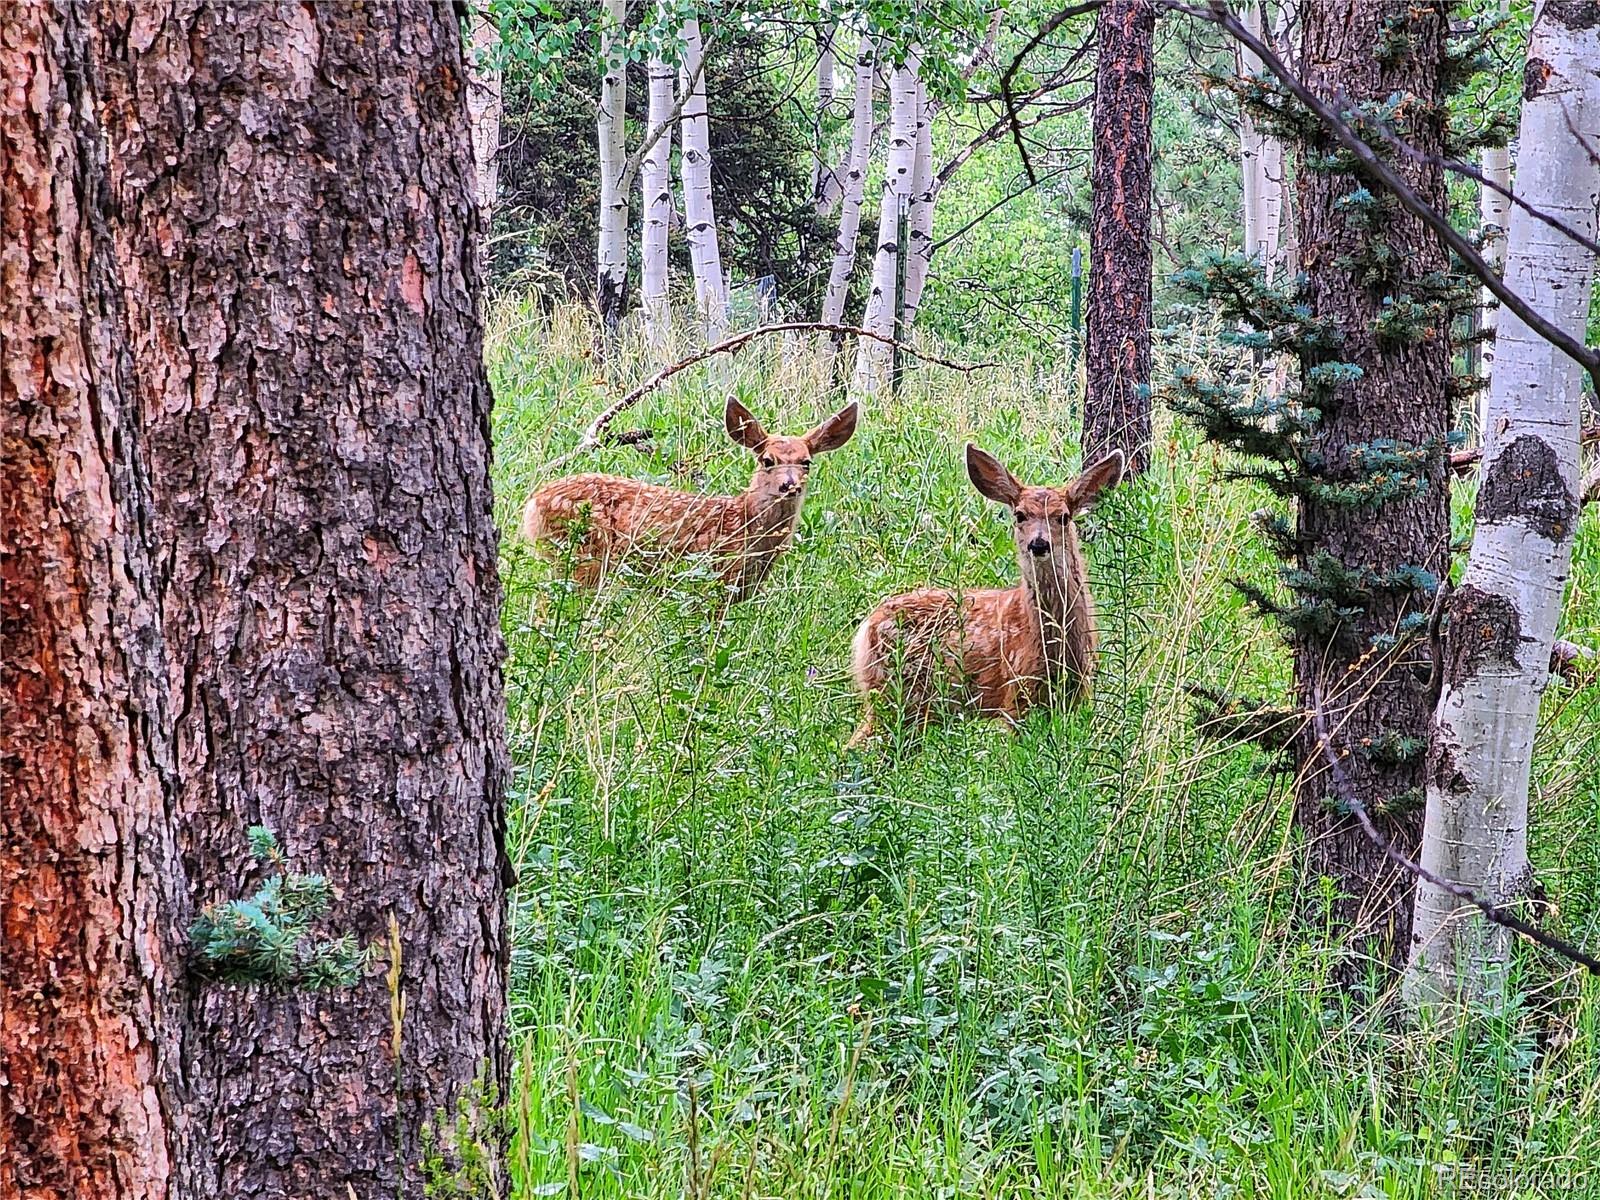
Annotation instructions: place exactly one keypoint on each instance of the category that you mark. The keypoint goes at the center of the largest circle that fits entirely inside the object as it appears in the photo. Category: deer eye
(805, 463)
(1021, 517)
(768, 461)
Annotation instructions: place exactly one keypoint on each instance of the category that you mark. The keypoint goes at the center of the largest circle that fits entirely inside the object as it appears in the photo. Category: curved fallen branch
(594, 435)
(1462, 462)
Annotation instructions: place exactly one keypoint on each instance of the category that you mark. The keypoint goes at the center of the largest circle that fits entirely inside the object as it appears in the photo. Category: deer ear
(991, 478)
(1086, 488)
(742, 427)
(835, 431)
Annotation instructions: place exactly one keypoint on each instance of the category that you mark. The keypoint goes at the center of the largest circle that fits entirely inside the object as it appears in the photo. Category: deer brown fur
(999, 650)
(654, 526)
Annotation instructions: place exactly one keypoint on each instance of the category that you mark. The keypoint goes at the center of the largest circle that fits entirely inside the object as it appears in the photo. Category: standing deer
(605, 518)
(1000, 650)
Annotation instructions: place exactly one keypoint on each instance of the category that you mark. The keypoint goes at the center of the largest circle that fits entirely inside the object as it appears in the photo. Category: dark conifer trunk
(1366, 262)
(278, 218)
(1117, 339)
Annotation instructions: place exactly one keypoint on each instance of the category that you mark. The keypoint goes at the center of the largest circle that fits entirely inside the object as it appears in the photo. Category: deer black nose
(1039, 546)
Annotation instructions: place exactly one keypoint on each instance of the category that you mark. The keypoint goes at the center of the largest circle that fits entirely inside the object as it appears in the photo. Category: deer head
(782, 463)
(1045, 529)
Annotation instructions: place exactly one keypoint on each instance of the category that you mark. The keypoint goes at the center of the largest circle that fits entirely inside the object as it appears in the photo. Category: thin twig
(1493, 912)
(593, 435)
(1044, 31)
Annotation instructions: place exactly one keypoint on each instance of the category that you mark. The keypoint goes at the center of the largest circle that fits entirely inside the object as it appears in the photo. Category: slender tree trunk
(923, 198)
(824, 185)
(1492, 224)
(292, 421)
(855, 185)
(710, 289)
(655, 181)
(483, 111)
(872, 357)
(1117, 350)
(1374, 699)
(1278, 225)
(1503, 618)
(91, 888)
(611, 280)
(1251, 166)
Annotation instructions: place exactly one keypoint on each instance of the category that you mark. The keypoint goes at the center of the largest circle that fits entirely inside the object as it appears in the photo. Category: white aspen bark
(612, 257)
(1503, 617)
(872, 357)
(1283, 251)
(1492, 210)
(483, 111)
(923, 198)
(822, 177)
(655, 184)
(710, 289)
(855, 185)
(1250, 141)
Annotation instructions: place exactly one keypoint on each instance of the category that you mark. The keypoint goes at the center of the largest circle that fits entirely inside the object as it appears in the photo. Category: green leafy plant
(267, 939)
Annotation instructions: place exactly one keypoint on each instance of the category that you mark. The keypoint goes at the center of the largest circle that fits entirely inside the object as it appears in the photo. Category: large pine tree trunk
(855, 185)
(1375, 705)
(700, 217)
(1117, 348)
(611, 277)
(303, 415)
(91, 889)
(1503, 618)
(872, 357)
(655, 182)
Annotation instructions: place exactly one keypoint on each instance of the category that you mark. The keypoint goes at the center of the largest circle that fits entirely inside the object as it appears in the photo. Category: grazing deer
(1000, 650)
(613, 517)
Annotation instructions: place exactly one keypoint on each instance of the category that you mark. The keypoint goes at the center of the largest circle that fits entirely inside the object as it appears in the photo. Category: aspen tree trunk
(655, 182)
(823, 183)
(1503, 618)
(254, 510)
(872, 357)
(483, 112)
(611, 280)
(92, 894)
(1371, 698)
(923, 198)
(855, 185)
(710, 289)
(1251, 167)
(1278, 224)
(1492, 213)
(1492, 222)
(1117, 346)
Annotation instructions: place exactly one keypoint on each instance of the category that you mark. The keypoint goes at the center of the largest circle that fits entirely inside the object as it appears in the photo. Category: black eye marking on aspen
(1525, 484)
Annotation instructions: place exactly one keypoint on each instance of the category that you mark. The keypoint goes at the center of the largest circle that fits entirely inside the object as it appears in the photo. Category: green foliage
(268, 939)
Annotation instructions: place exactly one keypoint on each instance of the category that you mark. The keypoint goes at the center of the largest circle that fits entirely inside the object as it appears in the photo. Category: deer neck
(1055, 591)
(770, 519)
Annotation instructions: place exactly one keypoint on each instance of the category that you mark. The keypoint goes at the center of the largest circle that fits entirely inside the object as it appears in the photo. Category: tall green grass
(1057, 963)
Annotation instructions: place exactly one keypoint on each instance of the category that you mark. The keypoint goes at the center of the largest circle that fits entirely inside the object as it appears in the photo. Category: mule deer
(1000, 650)
(604, 518)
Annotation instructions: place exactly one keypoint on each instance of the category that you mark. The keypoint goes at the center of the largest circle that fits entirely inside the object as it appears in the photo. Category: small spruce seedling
(267, 939)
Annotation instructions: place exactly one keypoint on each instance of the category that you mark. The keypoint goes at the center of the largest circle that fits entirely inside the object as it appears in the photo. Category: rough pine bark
(1371, 696)
(280, 221)
(1504, 616)
(92, 902)
(1117, 343)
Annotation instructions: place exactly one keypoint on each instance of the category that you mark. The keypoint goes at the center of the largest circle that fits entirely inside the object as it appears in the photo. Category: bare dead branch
(594, 435)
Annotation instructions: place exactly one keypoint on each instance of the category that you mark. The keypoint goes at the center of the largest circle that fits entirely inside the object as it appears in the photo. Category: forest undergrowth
(1061, 962)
